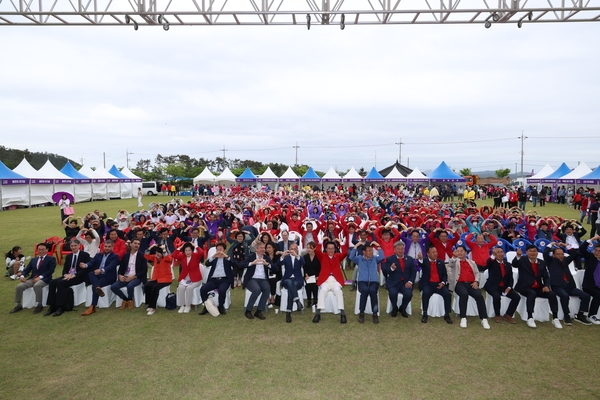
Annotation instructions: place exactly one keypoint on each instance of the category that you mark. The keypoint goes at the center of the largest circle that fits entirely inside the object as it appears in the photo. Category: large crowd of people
(294, 241)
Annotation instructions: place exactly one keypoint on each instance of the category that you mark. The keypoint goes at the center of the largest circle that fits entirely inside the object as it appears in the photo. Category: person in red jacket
(190, 275)
(162, 276)
(480, 249)
(330, 279)
(443, 245)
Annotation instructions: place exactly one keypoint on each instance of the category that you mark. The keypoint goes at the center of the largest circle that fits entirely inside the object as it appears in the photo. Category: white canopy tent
(331, 176)
(205, 177)
(395, 176)
(136, 181)
(225, 178)
(579, 171)
(289, 176)
(12, 188)
(416, 176)
(113, 184)
(547, 170)
(269, 177)
(40, 188)
(352, 177)
(99, 184)
(62, 182)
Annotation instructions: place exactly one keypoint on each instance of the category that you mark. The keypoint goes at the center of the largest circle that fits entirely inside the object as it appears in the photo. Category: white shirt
(131, 266)
(259, 272)
(219, 269)
(571, 242)
(414, 250)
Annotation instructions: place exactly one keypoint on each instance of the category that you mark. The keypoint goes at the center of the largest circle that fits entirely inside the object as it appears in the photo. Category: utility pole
(296, 147)
(399, 143)
(104, 159)
(522, 137)
(224, 160)
(127, 153)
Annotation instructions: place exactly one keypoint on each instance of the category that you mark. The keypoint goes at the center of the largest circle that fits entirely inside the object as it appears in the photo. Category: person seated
(292, 278)
(190, 275)
(330, 279)
(434, 280)
(74, 272)
(563, 284)
(572, 239)
(15, 262)
(464, 281)
(312, 268)
(500, 283)
(534, 282)
(400, 274)
(258, 268)
(101, 271)
(591, 278)
(133, 271)
(220, 277)
(162, 275)
(367, 260)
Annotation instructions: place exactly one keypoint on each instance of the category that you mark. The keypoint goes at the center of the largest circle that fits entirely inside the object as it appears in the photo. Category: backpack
(171, 301)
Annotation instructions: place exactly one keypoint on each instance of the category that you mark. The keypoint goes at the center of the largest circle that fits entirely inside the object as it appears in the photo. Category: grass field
(128, 355)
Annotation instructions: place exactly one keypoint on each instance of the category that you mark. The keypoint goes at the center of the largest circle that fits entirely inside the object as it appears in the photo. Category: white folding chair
(103, 302)
(138, 295)
(29, 297)
(389, 308)
(368, 308)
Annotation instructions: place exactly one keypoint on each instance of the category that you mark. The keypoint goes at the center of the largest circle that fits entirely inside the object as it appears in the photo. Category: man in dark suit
(500, 283)
(73, 274)
(164, 240)
(284, 244)
(102, 271)
(133, 271)
(572, 240)
(258, 267)
(534, 282)
(292, 278)
(591, 278)
(400, 274)
(434, 279)
(41, 269)
(220, 277)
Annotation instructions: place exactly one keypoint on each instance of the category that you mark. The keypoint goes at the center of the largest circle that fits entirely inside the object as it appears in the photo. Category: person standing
(591, 279)
(63, 203)
(140, 195)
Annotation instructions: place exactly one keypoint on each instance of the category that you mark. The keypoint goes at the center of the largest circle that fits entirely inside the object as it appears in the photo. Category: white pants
(140, 204)
(330, 285)
(185, 293)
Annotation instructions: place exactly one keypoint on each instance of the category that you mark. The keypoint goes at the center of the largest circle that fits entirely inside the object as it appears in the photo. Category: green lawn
(126, 354)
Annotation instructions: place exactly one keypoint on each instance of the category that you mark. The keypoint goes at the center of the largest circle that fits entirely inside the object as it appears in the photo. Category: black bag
(171, 301)
(69, 300)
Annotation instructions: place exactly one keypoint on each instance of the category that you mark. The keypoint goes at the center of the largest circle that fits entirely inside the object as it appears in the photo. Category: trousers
(464, 290)
(330, 285)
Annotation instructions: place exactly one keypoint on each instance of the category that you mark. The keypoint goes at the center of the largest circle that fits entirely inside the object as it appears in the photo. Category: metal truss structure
(342, 13)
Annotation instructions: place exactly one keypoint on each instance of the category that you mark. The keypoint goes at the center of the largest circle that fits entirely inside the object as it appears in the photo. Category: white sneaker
(13, 277)
(187, 309)
(556, 323)
(151, 311)
(463, 322)
(270, 306)
(594, 320)
(484, 323)
(181, 310)
(531, 323)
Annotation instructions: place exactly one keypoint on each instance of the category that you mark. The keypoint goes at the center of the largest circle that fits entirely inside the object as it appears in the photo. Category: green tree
(502, 173)
(465, 171)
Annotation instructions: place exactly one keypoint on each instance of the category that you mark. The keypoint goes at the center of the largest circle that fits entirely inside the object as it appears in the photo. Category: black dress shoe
(288, 317)
(58, 313)
(258, 314)
(300, 305)
(248, 314)
(16, 309)
(222, 310)
(447, 319)
(343, 319)
(204, 311)
(316, 318)
(424, 319)
(394, 313)
(361, 318)
(38, 309)
(50, 311)
(375, 318)
(403, 313)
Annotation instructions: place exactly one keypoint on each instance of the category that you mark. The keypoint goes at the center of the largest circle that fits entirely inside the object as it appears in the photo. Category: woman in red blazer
(190, 275)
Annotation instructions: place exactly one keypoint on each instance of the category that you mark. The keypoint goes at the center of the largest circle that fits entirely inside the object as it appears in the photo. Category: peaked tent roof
(401, 168)
(268, 176)
(115, 171)
(374, 176)
(560, 172)
(310, 175)
(593, 178)
(96, 176)
(396, 176)
(205, 177)
(226, 176)
(70, 171)
(331, 176)
(127, 172)
(100, 171)
(417, 176)
(579, 171)
(50, 171)
(443, 173)
(544, 172)
(289, 176)
(10, 177)
(246, 176)
(353, 176)
(25, 169)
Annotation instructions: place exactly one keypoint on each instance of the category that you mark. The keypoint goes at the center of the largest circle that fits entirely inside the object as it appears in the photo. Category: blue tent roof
(374, 176)
(310, 175)
(246, 176)
(560, 172)
(10, 177)
(592, 178)
(70, 171)
(443, 173)
(115, 171)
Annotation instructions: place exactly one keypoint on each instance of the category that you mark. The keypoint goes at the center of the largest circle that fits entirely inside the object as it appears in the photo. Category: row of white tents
(26, 186)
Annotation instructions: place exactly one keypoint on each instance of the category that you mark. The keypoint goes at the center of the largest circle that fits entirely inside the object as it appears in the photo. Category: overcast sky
(460, 94)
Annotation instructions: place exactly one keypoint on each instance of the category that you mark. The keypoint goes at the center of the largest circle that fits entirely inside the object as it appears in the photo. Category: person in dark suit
(258, 267)
(101, 271)
(534, 282)
(591, 278)
(74, 272)
(284, 244)
(133, 271)
(41, 269)
(292, 278)
(434, 280)
(164, 240)
(500, 283)
(572, 240)
(400, 274)
(220, 277)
